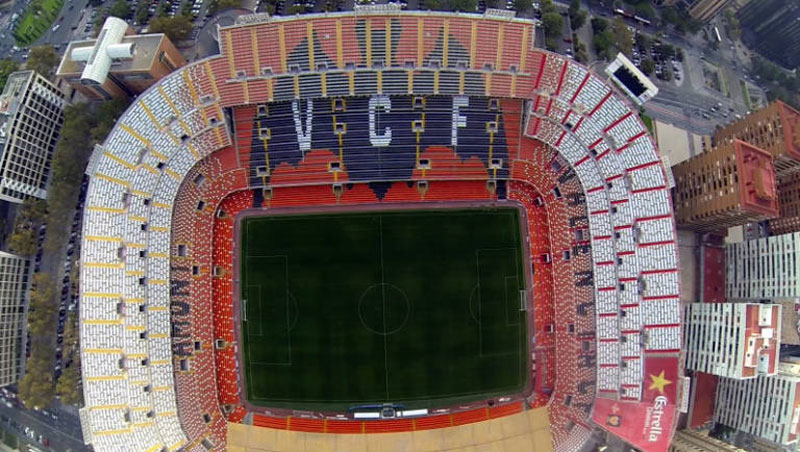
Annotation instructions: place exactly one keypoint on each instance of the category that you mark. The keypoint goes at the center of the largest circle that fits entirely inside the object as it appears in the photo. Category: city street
(64, 434)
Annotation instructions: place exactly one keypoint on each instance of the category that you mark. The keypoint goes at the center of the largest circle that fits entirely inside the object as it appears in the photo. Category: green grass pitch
(417, 307)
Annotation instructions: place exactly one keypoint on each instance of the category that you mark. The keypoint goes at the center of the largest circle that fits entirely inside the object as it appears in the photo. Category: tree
(68, 386)
(599, 25)
(7, 66)
(432, 5)
(106, 117)
(669, 15)
(23, 242)
(522, 5)
(643, 41)
(553, 24)
(162, 10)
(602, 43)
(142, 12)
(577, 16)
(645, 10)
(463, 5)
(547, 6)
(42, 59)
(120, 9)
(295, 9)
(648, 66)
(101, 18)
(176, 28)
(34, 210)
(623, 36)
(667, 51)
(220, 5)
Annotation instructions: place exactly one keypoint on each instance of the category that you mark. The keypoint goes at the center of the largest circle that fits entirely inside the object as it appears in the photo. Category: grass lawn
(648, 122)
(746, 94)
(420, 308)
(38, 17)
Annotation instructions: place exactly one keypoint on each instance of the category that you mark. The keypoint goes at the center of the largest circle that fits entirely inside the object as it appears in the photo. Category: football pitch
(423, 308)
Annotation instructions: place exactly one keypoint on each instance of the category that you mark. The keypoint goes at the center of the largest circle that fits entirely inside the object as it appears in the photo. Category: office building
(14, 282)
(772, 28)
(31, 116)
(775, 128)
(734, 340)
(730, 185)
(699, 441)
(766, 406)
(765, 268)
(118, 63)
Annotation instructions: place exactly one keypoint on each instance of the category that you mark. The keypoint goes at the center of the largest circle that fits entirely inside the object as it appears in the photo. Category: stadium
(379, 230)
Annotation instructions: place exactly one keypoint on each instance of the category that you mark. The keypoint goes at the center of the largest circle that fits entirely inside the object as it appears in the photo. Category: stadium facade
(370, 108)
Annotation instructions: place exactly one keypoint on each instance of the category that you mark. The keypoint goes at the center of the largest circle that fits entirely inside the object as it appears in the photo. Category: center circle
(383, 309)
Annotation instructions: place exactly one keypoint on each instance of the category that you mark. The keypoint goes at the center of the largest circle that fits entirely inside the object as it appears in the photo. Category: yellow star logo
(659, 382)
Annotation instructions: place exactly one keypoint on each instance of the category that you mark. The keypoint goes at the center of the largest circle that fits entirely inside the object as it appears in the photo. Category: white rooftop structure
(107, 48)
(631, 80)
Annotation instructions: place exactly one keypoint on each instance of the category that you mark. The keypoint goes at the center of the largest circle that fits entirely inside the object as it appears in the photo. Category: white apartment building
(14, 283)
(765, 268)
(767, 406)
(734, 340)
(31, 116)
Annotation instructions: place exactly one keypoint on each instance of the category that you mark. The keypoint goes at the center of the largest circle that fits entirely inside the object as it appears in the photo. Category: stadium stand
(448, 107)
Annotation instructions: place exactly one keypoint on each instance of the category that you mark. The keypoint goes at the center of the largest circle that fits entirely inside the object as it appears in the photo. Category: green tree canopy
(463, 5)
(42, 59)
(142, 12)
(23, 242)
(7, 66)
(577, 15)
(623, 36)
(522, 5)
(599, 25)
(553, 24)
(603, 42)
(648, 66)
(176, 28)
(120, 9)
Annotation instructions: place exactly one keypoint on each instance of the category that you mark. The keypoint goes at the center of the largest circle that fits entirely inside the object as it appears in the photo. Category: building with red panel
(712, 266)
(730, 185)
(734, 340)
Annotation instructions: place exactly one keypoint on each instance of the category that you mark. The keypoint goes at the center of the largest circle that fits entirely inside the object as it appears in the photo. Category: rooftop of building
(144, 52)
(16, 86)
(762, 338)
(756, 174)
